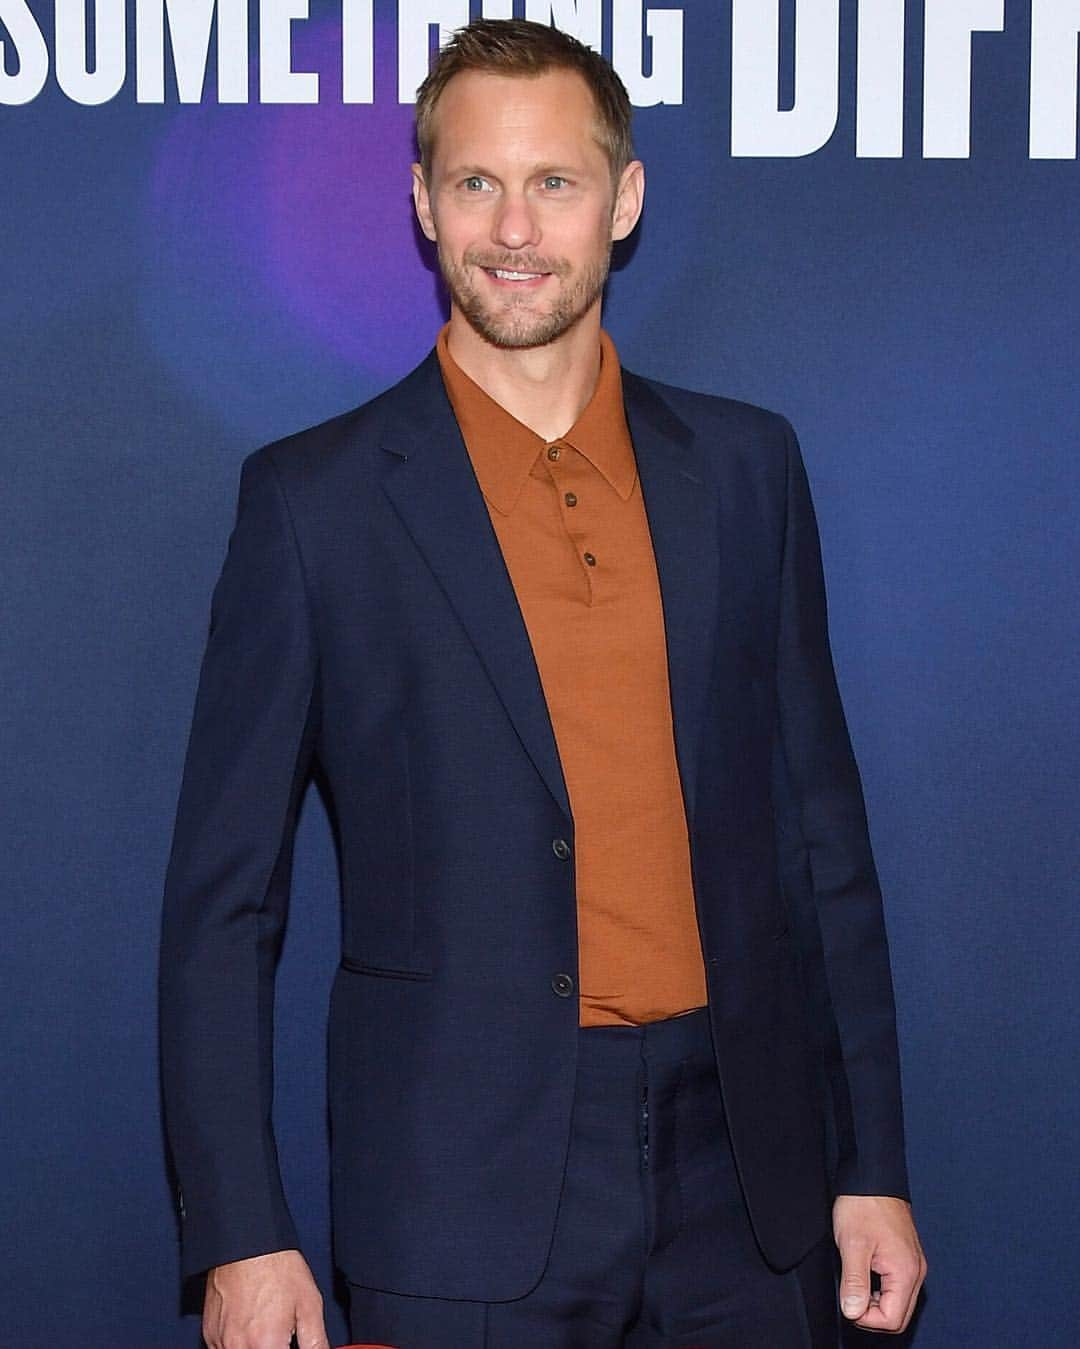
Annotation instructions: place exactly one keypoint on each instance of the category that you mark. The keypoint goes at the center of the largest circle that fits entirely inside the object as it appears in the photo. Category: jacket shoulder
(704, 412)
(319, 451)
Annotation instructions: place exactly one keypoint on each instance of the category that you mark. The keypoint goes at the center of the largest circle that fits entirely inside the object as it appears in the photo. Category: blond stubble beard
(513, 326)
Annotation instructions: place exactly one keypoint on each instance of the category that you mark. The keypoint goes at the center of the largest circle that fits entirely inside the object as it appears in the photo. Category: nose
(515, 224)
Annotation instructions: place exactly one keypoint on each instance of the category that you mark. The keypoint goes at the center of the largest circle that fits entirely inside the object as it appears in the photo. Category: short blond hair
(522, 47)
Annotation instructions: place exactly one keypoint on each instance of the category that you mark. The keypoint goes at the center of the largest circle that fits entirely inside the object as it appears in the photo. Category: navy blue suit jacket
(364, 617)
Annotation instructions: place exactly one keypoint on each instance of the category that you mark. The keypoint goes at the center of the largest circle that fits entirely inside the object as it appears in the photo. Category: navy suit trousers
(652, 1247)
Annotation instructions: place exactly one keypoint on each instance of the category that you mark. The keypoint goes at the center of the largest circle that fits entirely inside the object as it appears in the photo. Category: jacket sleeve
(227, 885)
(831, 829)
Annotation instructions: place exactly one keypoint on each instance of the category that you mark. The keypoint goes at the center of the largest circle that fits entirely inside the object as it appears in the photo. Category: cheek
(594, 234)
(572, 240)
(452, 220)
(460, 231)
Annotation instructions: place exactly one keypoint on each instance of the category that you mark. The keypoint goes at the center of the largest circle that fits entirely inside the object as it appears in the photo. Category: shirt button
(590, 559)
(560, 848)
(553, 451)
(562, 984)
(570, 499)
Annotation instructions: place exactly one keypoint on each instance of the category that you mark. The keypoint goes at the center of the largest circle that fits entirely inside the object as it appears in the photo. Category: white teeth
(515, 276)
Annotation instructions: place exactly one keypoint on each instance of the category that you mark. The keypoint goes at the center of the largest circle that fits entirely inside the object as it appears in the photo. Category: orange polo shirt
(570, 520)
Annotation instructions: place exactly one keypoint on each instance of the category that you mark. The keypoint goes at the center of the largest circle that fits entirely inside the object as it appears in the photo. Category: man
(612, 1039)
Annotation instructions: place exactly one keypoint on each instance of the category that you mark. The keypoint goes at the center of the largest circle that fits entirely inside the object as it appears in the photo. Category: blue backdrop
(182, 281)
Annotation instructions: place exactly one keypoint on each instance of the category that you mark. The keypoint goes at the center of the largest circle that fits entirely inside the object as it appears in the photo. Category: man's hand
(876, 1232)
(260, 1303)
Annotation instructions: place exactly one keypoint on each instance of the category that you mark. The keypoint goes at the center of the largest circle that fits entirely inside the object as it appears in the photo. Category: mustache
(528, 263)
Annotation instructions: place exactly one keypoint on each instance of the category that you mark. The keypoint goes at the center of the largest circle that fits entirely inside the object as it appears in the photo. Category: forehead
(545, 117)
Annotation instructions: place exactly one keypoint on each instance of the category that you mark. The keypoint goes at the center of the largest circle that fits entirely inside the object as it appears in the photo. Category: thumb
(855, 1281)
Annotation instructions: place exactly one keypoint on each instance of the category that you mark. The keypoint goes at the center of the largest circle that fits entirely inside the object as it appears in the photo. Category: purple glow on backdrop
(280, 243)
(341, 244)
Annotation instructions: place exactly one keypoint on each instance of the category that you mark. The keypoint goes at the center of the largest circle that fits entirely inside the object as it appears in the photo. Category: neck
(545, 387)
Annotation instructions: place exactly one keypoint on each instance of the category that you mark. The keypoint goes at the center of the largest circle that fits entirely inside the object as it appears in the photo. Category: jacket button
(563, 984)
(560, 848)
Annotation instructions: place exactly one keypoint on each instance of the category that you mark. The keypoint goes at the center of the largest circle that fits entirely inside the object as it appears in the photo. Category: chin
(501, 330)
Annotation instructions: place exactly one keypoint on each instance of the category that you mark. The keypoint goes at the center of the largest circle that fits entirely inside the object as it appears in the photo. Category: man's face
(521, 204)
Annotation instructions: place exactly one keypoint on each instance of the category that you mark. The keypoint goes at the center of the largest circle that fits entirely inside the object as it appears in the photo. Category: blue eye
(474, 183)
(553, 178)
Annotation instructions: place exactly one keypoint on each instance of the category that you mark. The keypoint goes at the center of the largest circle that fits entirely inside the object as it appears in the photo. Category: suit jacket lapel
(440, 503)
(681, 504)
(434, 490)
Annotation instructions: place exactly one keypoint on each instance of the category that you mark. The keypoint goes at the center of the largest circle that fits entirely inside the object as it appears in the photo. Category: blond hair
(524, 48)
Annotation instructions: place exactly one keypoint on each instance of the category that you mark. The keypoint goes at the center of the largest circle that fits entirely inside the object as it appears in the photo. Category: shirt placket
(573, 478)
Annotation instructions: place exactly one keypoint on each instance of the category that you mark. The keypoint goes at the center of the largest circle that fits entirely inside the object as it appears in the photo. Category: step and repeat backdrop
(864, 215)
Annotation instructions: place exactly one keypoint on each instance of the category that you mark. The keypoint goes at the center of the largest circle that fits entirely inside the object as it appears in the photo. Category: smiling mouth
(503, 274)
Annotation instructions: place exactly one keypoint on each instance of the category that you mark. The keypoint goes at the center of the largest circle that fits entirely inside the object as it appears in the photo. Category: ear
(422, 202)
(629, 199)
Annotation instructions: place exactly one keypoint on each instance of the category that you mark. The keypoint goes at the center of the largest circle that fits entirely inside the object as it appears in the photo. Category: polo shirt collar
(503, 450)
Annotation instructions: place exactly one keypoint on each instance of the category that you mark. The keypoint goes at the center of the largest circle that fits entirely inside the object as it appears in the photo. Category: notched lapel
(682, 507)
(435, 492)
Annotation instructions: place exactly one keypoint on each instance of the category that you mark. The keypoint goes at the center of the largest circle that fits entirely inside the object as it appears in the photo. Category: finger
(310, 1327)
(888, 1312)
(892, 1307)
(916, 1287)
(855, 1279)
